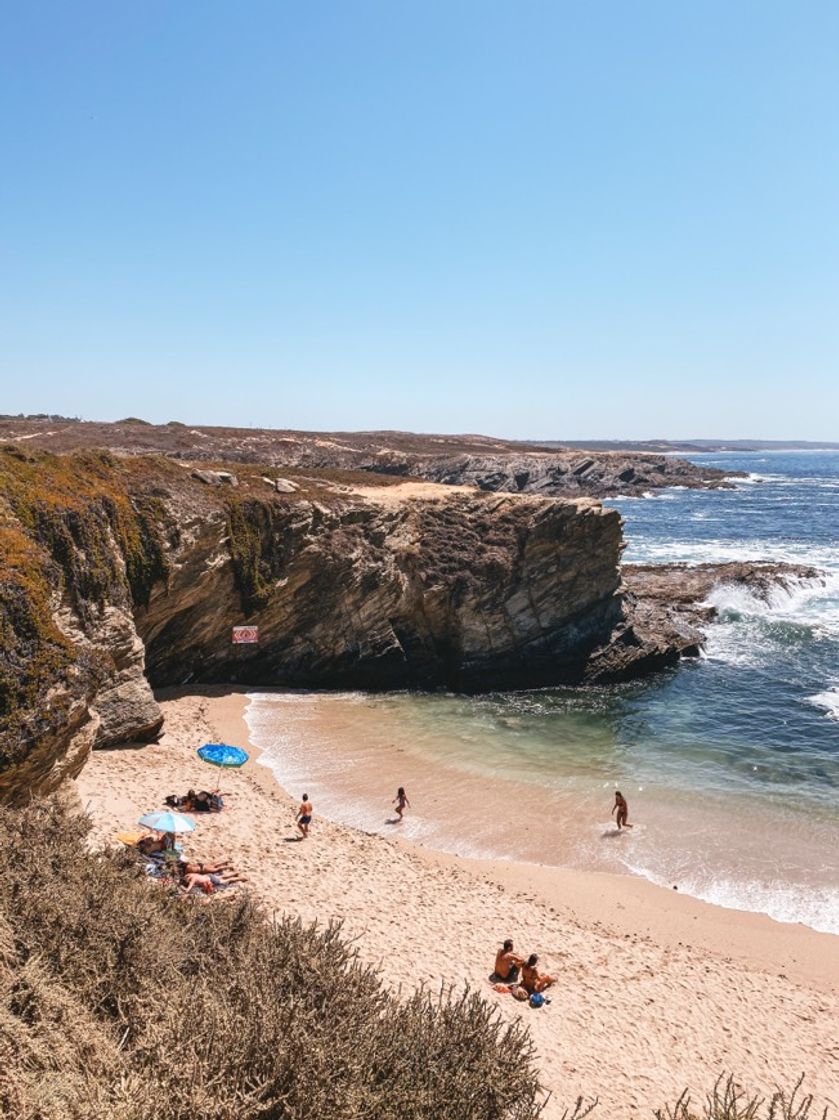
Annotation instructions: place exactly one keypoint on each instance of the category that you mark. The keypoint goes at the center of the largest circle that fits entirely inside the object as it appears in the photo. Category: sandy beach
(656, 991)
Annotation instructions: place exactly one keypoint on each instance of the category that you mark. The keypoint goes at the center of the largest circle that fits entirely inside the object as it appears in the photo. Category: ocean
(730, 763)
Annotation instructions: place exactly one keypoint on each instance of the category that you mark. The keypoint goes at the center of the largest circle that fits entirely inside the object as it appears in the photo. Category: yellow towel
(130, 838)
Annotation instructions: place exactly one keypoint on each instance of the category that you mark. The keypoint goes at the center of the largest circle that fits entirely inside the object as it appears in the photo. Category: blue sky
(527, 219)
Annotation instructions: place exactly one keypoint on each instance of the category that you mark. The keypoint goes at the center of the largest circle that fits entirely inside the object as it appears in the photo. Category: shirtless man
(623, 810)
(507, 963)
(532, 980)
(304, 816)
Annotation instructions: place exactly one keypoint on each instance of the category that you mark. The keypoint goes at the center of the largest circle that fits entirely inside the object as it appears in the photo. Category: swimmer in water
(623, 811)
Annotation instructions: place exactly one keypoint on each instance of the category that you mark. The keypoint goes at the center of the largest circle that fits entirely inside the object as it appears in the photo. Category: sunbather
(507, 963)
(532, 980)
(211, 882)
(206, 867)
(157, 845)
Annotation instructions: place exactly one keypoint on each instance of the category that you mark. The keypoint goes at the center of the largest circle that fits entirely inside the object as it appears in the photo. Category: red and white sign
(245, 635)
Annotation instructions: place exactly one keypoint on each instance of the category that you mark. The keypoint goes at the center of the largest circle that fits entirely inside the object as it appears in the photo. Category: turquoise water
(730, 763)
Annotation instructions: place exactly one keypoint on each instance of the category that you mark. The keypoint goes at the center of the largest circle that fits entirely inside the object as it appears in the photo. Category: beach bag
(520, 994)
(537, 999)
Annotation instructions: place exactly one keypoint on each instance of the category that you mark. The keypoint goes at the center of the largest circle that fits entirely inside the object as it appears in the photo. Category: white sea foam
(816, 907)
(827, 700)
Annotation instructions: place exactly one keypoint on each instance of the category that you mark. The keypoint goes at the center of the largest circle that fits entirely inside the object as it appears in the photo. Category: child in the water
(401, 802)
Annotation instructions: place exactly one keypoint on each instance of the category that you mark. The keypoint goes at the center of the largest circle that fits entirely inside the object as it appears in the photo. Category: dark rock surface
(117, 572)
(666, 611)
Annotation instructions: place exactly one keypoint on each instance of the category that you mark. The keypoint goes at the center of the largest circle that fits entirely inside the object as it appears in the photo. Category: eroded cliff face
(120, 571)
(462, 591)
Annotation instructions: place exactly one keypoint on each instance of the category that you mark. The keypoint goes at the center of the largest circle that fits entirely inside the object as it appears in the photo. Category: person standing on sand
(304, 816)
(401, 802)
(623, 811)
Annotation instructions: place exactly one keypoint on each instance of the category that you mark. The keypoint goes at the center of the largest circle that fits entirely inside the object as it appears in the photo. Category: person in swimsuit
(401, 802)
(211, 882)
(507, 963)
(206, 867)
(532, 980)
(304, 816)
(623, 810)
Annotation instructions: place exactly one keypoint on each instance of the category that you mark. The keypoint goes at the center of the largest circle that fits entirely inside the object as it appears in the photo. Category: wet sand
(656, 991)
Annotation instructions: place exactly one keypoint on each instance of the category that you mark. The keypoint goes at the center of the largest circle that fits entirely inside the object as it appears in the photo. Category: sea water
(730, 763)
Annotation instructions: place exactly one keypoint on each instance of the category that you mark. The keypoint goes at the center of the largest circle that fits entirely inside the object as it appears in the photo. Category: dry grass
(120, 1001)
(727, 1101)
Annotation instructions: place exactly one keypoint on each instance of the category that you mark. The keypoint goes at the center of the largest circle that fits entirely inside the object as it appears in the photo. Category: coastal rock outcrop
(119, 574)
(481, 461)
(460, 591)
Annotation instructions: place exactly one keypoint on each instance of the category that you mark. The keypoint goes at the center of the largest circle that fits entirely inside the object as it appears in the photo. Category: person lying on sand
(532, 980)
(507, 963)
(623, 811)
(156, 845)
(205, 867)
(210, 883)
(401, 802)
(204, 801)
(304, 816)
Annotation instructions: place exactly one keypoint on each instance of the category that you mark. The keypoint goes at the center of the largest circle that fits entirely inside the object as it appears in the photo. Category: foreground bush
(120, 1002)
(728, 1102)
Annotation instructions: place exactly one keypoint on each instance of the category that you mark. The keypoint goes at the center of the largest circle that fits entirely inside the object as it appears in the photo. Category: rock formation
(489, 464)
(117, 572)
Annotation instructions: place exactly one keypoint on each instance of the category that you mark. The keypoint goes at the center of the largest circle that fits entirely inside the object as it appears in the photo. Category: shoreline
(707, 989)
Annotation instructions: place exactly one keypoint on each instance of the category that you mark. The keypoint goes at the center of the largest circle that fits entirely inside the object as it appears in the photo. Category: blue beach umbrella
(220, 754)
(167, 822)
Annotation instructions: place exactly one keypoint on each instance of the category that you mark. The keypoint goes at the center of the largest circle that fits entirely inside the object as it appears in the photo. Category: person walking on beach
(622, 809)
(401, 802)
(304, 816)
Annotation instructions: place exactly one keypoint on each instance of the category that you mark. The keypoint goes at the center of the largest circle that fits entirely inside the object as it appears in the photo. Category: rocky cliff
(122, 573)
(117, 572)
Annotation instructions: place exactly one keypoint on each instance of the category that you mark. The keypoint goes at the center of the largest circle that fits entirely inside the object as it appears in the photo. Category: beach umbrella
(220, 754)
(167, 822)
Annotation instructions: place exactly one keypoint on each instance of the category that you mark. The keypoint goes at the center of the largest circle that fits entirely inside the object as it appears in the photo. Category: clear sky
(592, 219)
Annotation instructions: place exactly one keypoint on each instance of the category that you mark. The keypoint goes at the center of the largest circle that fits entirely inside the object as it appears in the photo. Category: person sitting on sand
(304, 816)
(532, 980)
(623, 810)
(401, 802)
(507, 963)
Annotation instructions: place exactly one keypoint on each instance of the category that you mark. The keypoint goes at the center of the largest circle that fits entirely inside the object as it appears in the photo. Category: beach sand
(656, 991)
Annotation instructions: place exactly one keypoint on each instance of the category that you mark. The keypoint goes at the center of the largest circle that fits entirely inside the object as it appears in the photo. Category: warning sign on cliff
(245, 635)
